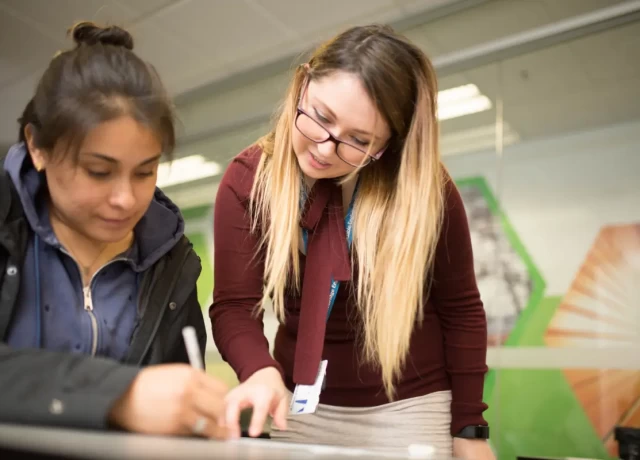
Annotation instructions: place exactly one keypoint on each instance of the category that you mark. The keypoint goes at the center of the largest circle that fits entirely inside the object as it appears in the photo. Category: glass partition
(545, 150)
(565, 239)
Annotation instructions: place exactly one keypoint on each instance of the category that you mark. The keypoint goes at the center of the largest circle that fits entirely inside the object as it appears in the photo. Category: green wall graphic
(535, 411)
(556, 412)
(199, 228)
(509, 281)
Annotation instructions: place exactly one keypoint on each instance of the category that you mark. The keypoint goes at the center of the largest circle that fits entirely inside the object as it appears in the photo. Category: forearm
(239, 276)
(240, 340)
(464, 329)
(465, 352)
(50, 388)
(461, 313)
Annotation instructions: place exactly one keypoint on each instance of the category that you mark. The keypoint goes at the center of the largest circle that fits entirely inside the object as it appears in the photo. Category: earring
(38, 166)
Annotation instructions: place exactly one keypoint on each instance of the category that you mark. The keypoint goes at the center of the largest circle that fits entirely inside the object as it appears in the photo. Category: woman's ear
(38, 156)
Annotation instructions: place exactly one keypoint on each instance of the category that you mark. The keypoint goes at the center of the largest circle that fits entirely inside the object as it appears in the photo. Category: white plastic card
(306, 397)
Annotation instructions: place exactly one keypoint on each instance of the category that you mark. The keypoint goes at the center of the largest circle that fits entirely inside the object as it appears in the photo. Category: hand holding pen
(174, 399)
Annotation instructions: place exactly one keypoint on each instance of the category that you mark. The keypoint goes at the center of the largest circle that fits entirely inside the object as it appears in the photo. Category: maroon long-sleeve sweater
(447, 351)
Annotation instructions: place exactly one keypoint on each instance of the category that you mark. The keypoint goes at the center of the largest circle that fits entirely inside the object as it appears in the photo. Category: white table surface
(106, 445)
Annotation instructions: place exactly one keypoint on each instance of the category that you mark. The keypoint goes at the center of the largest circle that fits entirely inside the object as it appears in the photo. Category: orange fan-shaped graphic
(602, 309)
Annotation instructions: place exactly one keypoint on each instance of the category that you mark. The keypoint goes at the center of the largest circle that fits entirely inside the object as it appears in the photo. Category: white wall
(558, 192)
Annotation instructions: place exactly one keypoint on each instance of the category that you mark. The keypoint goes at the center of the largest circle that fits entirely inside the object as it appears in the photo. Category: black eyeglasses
(314, 131)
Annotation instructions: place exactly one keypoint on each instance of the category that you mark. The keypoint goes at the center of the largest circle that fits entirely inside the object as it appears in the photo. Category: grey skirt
(389, 428)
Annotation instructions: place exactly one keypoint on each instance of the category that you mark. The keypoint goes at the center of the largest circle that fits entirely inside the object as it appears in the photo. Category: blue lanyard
(348, 226)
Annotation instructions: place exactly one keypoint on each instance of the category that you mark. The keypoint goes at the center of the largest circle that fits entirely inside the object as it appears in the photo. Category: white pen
(193, 349)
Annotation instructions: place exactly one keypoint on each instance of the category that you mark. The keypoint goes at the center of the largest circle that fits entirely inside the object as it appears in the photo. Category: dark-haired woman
(97, 279)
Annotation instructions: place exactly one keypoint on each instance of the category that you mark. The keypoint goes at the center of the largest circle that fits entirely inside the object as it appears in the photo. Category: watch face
(474, 432)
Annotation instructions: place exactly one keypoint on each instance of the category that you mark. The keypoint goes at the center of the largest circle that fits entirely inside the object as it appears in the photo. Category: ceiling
(576, 85)
(579, 85)
(191, 42)
(227, 61)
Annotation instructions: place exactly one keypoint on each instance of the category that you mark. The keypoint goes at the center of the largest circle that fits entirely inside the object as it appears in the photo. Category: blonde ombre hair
(399, 206)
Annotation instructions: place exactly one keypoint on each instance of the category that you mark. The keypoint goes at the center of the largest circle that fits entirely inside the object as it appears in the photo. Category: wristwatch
(474, 432)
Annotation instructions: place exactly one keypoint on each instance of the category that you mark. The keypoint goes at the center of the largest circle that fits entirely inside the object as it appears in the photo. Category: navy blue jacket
(61, 362)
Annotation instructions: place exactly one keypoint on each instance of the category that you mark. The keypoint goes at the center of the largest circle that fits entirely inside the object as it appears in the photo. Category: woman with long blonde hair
(344, 221)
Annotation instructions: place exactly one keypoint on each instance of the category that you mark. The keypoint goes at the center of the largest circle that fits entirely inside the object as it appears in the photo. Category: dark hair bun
(89, 33)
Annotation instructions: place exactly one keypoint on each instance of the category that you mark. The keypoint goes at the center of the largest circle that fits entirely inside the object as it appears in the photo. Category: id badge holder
(306, 397)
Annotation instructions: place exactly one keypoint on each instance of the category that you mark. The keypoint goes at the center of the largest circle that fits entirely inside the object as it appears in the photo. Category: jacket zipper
(88, 300)
(88, 306)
